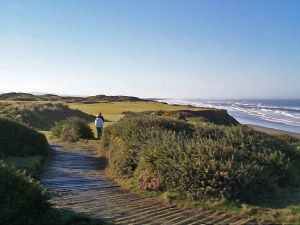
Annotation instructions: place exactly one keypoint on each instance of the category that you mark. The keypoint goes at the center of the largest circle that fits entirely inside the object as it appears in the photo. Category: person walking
(99, 122)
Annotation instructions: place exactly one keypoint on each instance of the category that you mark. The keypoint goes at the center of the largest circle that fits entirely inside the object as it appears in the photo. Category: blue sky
(153, 48)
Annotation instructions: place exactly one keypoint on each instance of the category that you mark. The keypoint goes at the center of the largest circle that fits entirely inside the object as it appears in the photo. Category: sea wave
(285, 112)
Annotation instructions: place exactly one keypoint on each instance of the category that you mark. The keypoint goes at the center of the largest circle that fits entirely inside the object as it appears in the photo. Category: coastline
(273, 131)
(279, 114)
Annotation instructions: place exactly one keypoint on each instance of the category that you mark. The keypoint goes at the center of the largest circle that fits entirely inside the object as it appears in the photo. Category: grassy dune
(38, 114)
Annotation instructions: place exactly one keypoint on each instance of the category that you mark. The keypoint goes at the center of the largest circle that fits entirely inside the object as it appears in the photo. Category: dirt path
(77, 181)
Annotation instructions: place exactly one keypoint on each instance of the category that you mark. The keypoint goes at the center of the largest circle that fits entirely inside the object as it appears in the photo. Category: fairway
(113, 111)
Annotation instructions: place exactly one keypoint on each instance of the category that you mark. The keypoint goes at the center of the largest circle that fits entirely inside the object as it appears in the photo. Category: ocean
(278, 114)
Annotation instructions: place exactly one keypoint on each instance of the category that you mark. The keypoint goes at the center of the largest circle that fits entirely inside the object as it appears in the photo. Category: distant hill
(118, 98)
(18, 96)
(51, 97)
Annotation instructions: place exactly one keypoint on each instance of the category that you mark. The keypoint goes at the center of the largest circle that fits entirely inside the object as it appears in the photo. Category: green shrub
(215, 116)
(105, 139)
(72, 129)
(132, 132)
(209, 168)
(202, 159)
(23, 201)
(19, 140)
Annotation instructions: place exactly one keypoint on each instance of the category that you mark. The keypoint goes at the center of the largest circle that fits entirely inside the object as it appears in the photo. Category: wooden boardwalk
(77, 181)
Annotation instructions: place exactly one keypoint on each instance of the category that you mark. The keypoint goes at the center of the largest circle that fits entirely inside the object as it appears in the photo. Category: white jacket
(98, 122)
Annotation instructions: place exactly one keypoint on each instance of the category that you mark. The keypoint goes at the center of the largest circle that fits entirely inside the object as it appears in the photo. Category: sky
(151, 48)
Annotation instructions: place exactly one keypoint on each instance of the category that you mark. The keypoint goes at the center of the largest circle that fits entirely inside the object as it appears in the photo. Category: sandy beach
(273, 131)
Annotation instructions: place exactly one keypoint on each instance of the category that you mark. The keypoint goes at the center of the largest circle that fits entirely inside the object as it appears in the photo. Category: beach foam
(278, 114)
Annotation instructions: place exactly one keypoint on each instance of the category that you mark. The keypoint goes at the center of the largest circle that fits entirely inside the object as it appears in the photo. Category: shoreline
(273, 131)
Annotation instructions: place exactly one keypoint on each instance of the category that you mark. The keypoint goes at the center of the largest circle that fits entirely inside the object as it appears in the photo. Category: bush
(128, 136)
(23, 201)
(19, 140)
(216, 116)
(205, 160)
(208, 168)
(72, 129)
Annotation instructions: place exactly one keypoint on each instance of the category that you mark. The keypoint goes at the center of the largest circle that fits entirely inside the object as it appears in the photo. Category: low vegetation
(19, 140)
(72, 129)
(21, 195)
(202, 160)
(30, 165)
(216, 116)
(196, 160)
(23, 199)
(39, 115)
